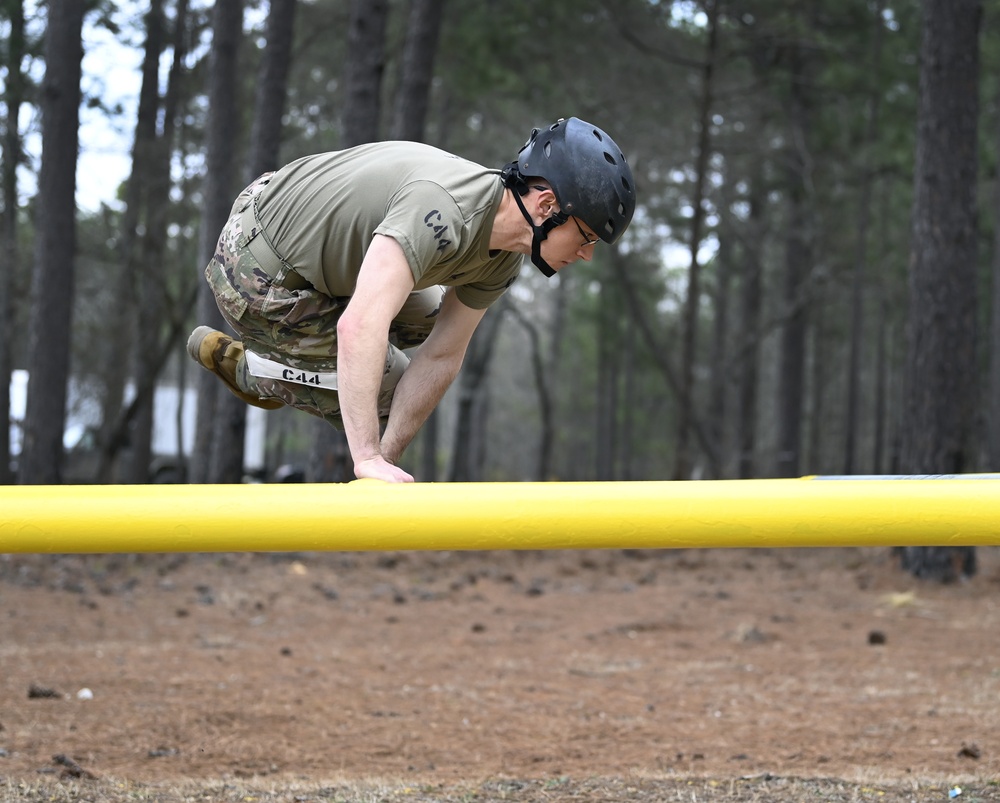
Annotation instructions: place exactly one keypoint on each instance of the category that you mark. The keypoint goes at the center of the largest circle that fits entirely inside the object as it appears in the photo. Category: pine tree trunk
(852, 424)
(547, 468)
(719, 384)
(469, 438)
(606, 407)
(683, 463)
(152, 292)
(941, 360)
(417, 69)
(751, 294)
(10, 265)
(545, 411)
(218, 432)
(798, 258)
(993, 394)
(364, 70)
(272, 90)
(55, 250)
(127, 327)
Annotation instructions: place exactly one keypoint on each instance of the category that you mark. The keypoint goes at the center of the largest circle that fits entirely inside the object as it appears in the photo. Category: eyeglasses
(587, 239)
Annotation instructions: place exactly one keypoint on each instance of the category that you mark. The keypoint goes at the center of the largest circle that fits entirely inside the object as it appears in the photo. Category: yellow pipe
(368, 515)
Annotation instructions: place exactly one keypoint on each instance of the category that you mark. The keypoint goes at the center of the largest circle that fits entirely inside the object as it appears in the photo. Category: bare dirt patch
(498, 676)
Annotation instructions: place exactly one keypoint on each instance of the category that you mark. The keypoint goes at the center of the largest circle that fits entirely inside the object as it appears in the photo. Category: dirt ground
(456, 668)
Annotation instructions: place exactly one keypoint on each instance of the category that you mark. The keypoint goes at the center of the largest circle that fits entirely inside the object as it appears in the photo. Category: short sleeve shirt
(321, 212)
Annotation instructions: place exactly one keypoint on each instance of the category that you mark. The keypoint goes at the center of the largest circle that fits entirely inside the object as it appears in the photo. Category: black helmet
(587, 171)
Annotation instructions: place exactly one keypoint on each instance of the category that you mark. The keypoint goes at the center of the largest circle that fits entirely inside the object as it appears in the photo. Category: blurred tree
(607, 399)
(364, 71)
(221, 416)
(747, 356)
(49, 328)
(683, 460)
(127, 328)
(993, 387)
(11, 157)
(941, 375)
(272, 89)
(469, 451)
(156, 298)
(540, 372)
(800, 234)
(417, 69)
(866, 179)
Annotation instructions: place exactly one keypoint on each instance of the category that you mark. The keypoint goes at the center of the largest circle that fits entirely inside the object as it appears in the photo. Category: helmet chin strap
(539, 234)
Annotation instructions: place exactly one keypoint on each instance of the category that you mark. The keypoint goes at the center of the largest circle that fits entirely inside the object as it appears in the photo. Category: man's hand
(378, 468)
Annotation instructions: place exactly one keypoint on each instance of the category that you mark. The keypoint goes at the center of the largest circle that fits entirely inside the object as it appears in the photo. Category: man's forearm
(360, 361)
(423, 385)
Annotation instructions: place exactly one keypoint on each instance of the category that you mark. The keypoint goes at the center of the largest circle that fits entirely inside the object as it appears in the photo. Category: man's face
(566, 244)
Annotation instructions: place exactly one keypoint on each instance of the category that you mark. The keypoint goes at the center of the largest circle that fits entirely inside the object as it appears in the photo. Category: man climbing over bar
(332, 266)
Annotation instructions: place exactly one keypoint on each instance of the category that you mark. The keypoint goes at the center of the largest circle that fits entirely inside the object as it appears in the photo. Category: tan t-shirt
(321, 212)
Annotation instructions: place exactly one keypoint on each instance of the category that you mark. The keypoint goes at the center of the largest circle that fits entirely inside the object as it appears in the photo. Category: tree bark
(720, 383)
(364, 71)
(553, 360)
(683, 464)
(10, 265)
(746, 357)
(55, 250)
(130, 330)
(608, 360)
(219, 432)
(993, 394)
(153, 291)
(941, 358)
(798, 258)
(545, 407)
(417, 69)
(851, 424)
(272, 90)
(470, 439)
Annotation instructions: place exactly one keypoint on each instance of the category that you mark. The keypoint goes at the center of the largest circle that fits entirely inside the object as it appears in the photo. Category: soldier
(330, 267)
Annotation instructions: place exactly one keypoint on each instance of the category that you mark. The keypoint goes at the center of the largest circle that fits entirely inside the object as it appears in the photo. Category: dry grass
(760, 789)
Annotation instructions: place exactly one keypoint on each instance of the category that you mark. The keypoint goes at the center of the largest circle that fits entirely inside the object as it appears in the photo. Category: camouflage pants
(298, 327)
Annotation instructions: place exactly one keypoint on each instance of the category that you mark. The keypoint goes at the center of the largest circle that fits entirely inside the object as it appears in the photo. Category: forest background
(809, 285)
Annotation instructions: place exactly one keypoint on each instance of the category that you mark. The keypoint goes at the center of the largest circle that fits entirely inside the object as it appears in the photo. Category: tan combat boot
(219, 353)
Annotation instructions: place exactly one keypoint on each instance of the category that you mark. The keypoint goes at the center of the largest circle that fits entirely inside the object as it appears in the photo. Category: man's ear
(546, 202)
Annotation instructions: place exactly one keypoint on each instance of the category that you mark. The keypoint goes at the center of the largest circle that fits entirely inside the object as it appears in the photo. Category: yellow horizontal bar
(368, 515)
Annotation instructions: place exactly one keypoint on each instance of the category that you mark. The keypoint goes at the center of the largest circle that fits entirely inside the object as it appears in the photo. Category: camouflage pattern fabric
(298, 328)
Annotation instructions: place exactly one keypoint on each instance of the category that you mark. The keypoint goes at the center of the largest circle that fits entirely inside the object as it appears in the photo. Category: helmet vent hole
(626, 185)
(609, 158)
(597, 135)
(548, 149)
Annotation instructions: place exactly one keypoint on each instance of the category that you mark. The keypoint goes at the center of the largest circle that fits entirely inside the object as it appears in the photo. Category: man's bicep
(384, 281)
